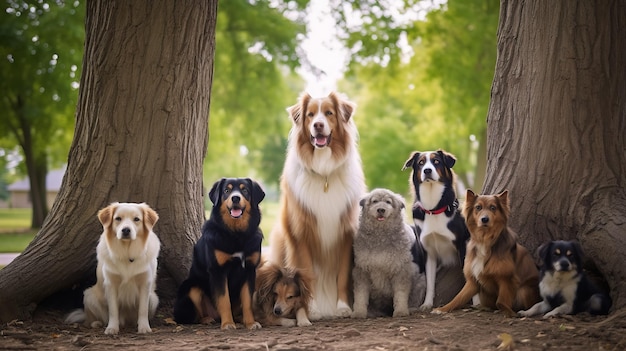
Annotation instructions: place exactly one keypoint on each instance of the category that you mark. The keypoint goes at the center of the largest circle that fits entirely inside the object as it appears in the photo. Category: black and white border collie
(564, 286)
(440, 225)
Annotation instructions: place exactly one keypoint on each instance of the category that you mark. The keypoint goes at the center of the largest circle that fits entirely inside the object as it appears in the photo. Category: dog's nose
(485, 220)
(319, 126)
(564, 265)
(278, 311)
(125, 232)
(428, 171)
(236, 199)
(381, 211)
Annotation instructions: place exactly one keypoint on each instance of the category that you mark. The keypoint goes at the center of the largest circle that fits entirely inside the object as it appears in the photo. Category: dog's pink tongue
(236, 212)
(320, 140)
(380, 218)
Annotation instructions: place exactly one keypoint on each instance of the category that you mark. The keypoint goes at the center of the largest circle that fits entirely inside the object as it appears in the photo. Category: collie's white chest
(478, 263)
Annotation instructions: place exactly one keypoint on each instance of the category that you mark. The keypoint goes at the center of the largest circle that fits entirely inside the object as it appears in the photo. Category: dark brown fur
(282, 296)
(508, 280)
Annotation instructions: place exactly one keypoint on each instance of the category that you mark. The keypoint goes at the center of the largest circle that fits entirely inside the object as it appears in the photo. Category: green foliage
(40, 58)
(253, 84)
(435, 99)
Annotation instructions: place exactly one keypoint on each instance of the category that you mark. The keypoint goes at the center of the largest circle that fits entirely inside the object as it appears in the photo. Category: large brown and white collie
(321, 185)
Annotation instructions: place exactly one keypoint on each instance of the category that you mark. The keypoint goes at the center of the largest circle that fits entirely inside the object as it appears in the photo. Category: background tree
(254, 83)
(141, 135)
(40, 46)
(557, 127)
(430, 65)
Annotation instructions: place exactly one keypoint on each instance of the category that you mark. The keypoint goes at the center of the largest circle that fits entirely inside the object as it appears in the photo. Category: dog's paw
(142, 329)
(314, 312)
(438, 311)
(359, 313)
(343, 310)
(255, 325)
(426, 307)
(524, 314)
(287, 322)
(227, 326)
(96, 324)
(111, 331)
(304, 323)
(552, 313)
(400, 313)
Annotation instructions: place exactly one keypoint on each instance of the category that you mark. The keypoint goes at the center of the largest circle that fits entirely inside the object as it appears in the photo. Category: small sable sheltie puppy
(282, 296)
(126, 273)
(564, 286)
(439, 222)
(223, 271)
(496, 267)
(321, 185)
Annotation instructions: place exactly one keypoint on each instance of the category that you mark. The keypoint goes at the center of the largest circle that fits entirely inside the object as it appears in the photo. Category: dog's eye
(329, 113)
(118, 218)
(479, 207)
(244, 191)
(226, 191)
(492, 207)
(290, 297)
(388, 202)
(310, 114)
(136, 219)
(374, 201)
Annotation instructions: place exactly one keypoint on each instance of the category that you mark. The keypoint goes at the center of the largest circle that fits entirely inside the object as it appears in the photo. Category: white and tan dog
(321, 185)
(127, 253)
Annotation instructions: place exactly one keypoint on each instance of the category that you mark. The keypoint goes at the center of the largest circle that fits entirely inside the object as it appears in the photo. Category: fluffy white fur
(126, 273)
(321, 185)
(385, 274)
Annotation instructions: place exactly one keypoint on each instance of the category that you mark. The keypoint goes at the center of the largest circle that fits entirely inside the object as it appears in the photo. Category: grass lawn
(15, 232)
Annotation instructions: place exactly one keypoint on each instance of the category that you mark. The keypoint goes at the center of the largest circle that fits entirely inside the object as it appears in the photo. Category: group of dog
(335, 245)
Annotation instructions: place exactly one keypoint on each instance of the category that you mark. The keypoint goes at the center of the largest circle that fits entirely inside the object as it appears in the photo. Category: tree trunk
(557, 127)
(141, 136)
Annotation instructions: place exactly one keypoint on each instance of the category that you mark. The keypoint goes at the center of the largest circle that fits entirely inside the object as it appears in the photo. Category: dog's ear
(257, 192)
(448, 159)
(363, 200)
(345, 108)
(542, 253)
(150, 217)
(303, 280)
(215, 194)
(410, 163)
(503, 198)
(468, 205)
(399, 201)
(296, 111)
(105, 215)
(578, 250)
(266, 276)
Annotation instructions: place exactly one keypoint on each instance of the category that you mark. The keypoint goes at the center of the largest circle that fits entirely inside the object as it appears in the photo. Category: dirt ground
(468, 329)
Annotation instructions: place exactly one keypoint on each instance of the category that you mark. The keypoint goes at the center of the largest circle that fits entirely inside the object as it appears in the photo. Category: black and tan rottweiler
(222, 275)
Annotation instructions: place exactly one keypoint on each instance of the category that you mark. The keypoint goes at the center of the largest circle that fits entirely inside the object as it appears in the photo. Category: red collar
(436, 211)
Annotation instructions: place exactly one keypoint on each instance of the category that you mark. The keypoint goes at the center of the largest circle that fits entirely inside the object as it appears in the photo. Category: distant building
(20, 190)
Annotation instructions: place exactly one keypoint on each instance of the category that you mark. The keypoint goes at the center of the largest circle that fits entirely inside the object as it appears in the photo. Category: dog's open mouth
(380, 218)
(321, 140)
(236, 212)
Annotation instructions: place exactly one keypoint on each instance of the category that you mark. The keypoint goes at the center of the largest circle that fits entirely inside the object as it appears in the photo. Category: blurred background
(419, 71)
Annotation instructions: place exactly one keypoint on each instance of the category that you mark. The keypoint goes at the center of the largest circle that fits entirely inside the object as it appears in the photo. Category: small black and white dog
(564, 286)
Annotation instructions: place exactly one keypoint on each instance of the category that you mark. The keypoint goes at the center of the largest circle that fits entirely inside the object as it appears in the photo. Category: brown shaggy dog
(496, 267)
(321, 185)
(282, 296)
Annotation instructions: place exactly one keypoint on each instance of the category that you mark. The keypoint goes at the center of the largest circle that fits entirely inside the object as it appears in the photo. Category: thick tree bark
(141, 136)
(557, 127)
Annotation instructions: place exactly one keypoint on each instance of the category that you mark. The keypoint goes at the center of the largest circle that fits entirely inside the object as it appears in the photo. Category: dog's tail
(599, 304)
(76, 316)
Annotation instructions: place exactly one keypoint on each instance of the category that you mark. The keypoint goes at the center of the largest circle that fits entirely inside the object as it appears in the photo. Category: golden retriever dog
(321, 186)
(497, 268)
(126, 273)
(282, 296)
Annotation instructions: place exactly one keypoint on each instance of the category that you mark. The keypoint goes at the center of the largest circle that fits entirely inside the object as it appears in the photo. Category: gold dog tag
(326, 185)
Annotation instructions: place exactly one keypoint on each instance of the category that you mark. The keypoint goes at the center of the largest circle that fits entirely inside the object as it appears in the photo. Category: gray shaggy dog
(388, 273)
